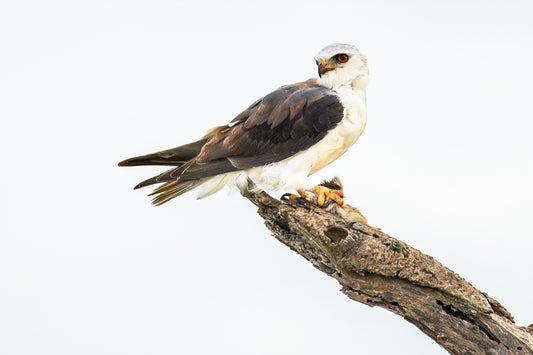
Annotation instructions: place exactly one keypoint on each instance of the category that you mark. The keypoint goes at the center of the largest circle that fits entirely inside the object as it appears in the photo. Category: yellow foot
(321, 193)
(302, 193)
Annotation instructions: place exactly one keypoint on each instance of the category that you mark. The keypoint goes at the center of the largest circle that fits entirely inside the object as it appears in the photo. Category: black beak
(322, 69)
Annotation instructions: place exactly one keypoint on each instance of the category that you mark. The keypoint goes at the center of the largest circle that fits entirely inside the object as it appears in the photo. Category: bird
(278, 141)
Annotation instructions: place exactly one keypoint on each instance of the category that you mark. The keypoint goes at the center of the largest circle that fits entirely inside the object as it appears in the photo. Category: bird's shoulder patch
(282, 123)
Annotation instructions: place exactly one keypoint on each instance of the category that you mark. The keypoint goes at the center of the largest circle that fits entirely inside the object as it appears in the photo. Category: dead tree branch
(378, 270)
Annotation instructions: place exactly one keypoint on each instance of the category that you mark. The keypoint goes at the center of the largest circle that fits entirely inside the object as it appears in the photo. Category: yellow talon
(321, 193)
(302, 193)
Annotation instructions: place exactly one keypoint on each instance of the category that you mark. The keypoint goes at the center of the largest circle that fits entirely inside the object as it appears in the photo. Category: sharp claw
(301, 194)
(288, 196)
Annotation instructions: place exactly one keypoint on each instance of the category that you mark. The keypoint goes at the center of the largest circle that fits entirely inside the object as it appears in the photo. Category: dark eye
(341, 58)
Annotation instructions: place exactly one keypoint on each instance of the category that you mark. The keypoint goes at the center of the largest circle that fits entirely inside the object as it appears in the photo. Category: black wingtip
(132, 162)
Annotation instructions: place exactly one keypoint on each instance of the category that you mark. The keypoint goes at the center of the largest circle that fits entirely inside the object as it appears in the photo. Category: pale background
(87, 266)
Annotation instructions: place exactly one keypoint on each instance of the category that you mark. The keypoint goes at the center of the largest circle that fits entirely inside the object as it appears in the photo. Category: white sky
(87, 266)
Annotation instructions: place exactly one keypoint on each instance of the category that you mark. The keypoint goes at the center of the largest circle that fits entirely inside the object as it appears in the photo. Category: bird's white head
(342, 65)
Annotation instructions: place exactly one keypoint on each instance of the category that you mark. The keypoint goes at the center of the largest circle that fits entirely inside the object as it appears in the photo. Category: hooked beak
(323, 68)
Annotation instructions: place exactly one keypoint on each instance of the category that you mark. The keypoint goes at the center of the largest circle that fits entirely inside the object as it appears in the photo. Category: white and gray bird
(277, 142)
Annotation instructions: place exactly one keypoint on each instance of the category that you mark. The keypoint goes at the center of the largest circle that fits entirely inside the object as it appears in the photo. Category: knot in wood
(336, 233)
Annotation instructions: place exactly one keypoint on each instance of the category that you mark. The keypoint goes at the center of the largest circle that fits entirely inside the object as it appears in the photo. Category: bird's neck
(360, 82)
(357, 84)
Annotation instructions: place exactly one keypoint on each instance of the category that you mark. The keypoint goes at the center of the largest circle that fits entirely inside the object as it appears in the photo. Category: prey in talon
(278, 141)
(320, 194)
(331, 189)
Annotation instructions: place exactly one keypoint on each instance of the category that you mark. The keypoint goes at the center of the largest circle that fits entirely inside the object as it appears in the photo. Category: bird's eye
(341, 58)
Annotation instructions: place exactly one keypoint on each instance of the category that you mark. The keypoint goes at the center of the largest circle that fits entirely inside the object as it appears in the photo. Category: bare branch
(378, 270)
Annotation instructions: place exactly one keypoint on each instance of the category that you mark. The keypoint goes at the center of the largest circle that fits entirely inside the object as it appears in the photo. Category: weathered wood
(378, 270)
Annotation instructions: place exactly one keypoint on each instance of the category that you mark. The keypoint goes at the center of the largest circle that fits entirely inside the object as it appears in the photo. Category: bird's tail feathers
(171, 189)
(168, 176)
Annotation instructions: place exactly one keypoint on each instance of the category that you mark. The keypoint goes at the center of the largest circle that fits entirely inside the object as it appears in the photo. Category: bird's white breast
(342, 137)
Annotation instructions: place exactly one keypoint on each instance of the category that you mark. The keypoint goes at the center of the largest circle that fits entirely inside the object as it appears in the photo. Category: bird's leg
(321, 192)
(301, 192)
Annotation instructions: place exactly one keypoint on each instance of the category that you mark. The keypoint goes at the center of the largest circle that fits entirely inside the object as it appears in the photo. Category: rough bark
(378, 270)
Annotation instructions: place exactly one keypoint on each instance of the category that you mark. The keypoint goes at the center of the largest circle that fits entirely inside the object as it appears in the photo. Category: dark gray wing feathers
(174, 156)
